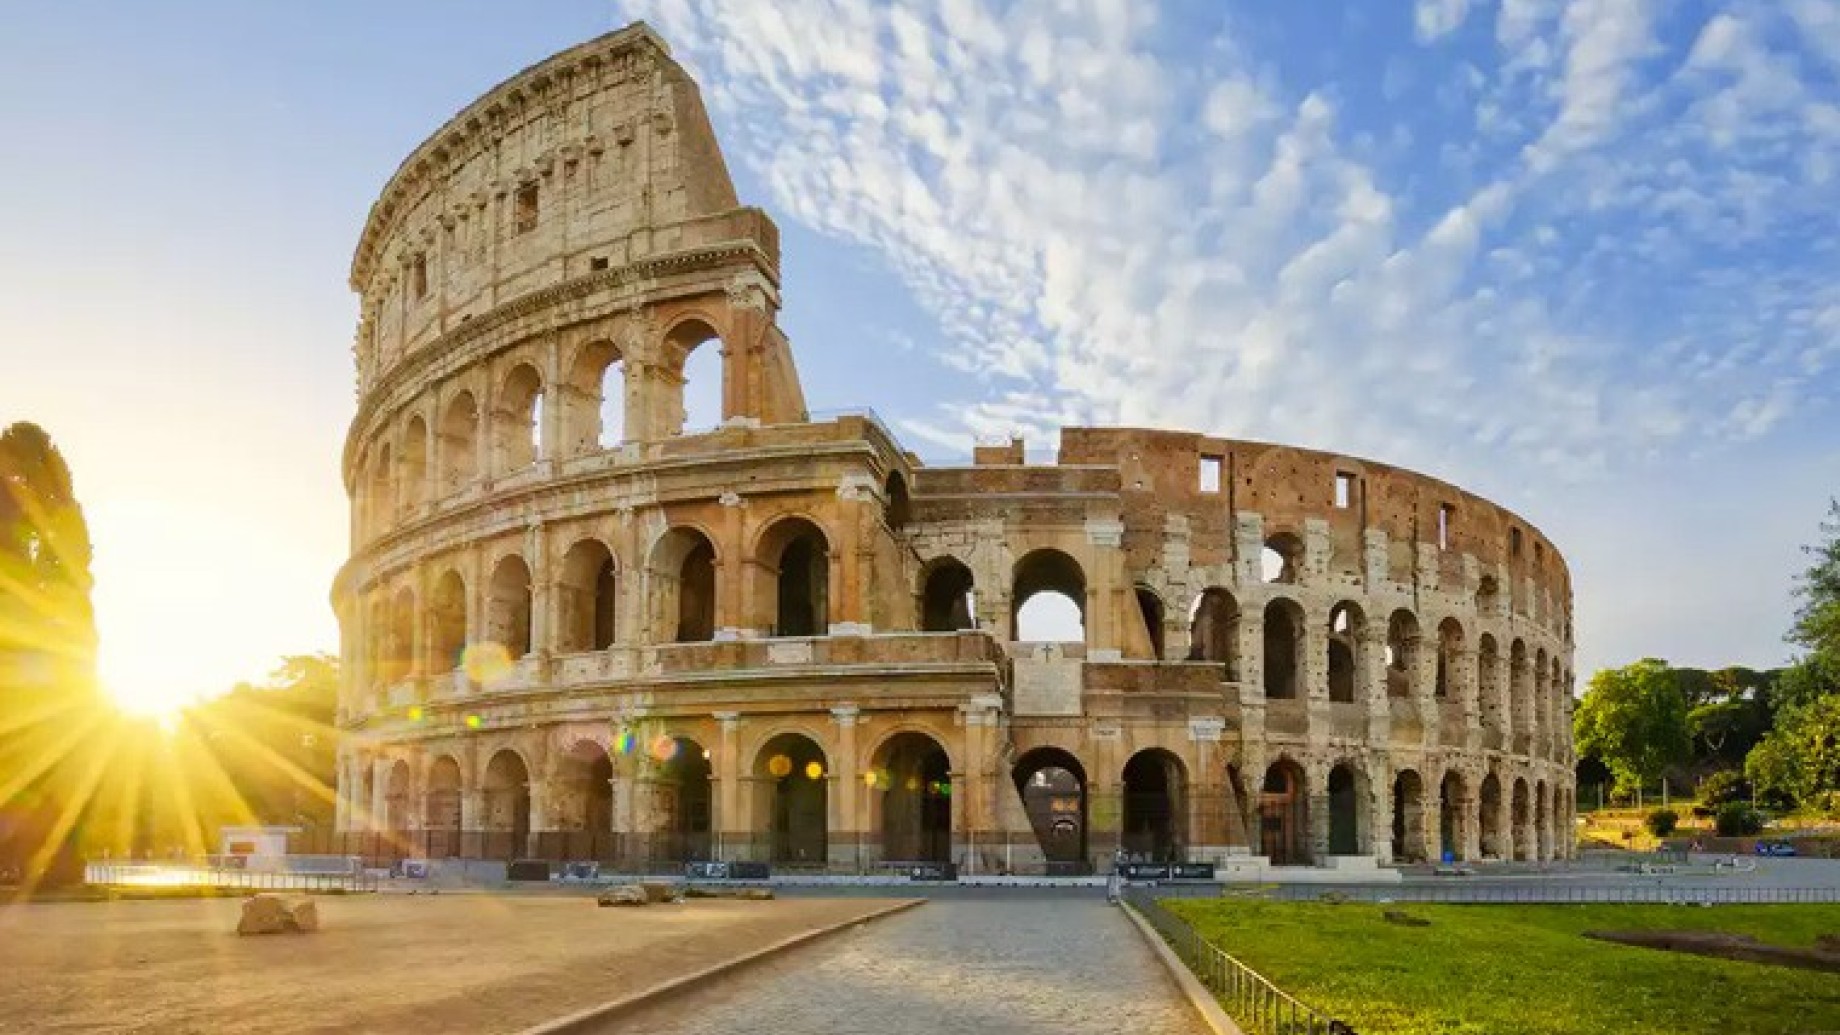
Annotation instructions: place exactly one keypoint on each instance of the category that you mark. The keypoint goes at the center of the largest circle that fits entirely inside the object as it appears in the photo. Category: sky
(1579, 256)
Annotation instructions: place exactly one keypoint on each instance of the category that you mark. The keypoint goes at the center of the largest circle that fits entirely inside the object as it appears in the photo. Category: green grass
(1525, 970)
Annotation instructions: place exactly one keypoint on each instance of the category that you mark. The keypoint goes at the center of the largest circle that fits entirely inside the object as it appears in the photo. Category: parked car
(1776, 848)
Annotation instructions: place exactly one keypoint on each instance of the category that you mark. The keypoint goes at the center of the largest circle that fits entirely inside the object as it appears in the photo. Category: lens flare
(486, 662)
(663, 748)
(473, 722)
(814, 769)
(416, 714)
(779, 765)
(624, 742)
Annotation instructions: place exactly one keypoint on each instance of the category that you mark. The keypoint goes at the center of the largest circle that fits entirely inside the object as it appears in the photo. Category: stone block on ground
(623, 895)
(742, 894)
(274, 914)
(661, 891)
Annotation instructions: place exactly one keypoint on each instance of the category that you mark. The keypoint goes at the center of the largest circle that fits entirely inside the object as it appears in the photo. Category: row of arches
(526, 417)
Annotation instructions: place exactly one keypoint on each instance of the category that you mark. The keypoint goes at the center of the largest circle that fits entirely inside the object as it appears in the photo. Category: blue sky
(1578, 256)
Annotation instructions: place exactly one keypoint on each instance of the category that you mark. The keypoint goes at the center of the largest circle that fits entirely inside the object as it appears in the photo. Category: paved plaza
(992, 963)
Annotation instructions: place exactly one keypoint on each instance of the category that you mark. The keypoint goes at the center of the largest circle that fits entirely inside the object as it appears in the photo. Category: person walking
(1114, 884)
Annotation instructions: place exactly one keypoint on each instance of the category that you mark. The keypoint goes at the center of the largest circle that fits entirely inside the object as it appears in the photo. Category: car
(1776, 848)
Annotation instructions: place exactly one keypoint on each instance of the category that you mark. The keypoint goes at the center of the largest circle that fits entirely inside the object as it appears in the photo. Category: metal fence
(210, 874)
(1260, 1007)
(1558, 893)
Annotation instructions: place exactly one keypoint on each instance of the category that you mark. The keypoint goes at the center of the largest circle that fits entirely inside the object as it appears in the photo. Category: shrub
(1726, 785)
(1662, 822)
(1736, 819)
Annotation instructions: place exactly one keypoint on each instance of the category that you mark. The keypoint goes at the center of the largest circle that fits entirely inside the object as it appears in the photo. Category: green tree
(1799, 761)
(1817, 617)
(1634, 718)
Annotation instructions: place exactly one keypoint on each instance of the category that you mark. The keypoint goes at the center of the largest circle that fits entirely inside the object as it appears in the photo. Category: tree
(1817, 618)
(1799, 761)
(1635, 719)
(47, 659)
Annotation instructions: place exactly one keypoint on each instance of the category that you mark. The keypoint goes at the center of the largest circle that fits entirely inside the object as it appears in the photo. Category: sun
(149, 701)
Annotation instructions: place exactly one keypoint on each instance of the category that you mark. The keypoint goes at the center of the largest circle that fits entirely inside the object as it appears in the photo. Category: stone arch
(441, 811)
(1284, 813)
(1521, 821)
(695, 401)
(398, 801)
(399, 655)
(1213, 630)
(582, 792)
(1542, 821)
(446, 622)
(1450, 650)
(1488, 684)
(1150, 610)
(589, 590)
(898, 504)
(681, 573)
(792, 555)
(414, 481)
(1045, 571)
(1489, 819)
(594, 399)
(1052, 784)
(1410, 839)
(1155, 810)
(517, 421)
(1347, 627)
(458, 446)
(382, 487)
(1454, 814)
(1281, 560)
(910, 784)
(509, 614)
(1348, 796)
(1520, 692)
(506, 804)
(680, 806)
(791, 775)
(1284, 663)
(1402, 646)
(947, 601)
(1542, 704)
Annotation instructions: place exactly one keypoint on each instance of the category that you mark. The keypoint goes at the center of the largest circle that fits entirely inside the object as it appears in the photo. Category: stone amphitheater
(576, 626)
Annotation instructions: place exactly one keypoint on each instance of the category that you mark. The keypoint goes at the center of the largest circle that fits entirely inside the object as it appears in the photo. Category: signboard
(942, 871)
(528, 869)
(1167, 871)
(727, 870)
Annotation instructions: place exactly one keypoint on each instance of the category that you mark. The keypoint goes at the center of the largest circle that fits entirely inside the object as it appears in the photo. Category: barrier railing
(1260, 1007)
(206, 874)
(1562, 893)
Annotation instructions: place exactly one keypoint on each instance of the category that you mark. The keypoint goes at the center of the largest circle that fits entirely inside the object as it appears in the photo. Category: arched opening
(683, 793)
(1284, 814)
(400, 660)
(596, 399)
(899, 506)
(1344, 811)
(1521, 822)
(1283, 642)
(1346, 625)
(414, 465)
(588, 592)
(1150, 608)
(1155, 807)
(1489, 809)
(581, 802)
(447, 622)
(795, 558)
(507, 806)
(518, 425)
(397, 797)
(442, 812)
(1282, 558)
(1453, 801)
(1052, 784)
(1402, 643)
(1408, 817)
(682, 573)
(383, 499)
(1450, 649)
(1542, 822)
(697, 404)
(459, 443)
(1520, 692)
(912, 777)
(1488, 683)
(508, 611)
(1213, 631)
(946, 601)
(791, 773)
(1542, 704)
(1488, 596)
(1048, 599)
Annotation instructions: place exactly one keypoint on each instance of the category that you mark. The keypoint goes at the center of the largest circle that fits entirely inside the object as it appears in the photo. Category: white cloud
(1437, 18)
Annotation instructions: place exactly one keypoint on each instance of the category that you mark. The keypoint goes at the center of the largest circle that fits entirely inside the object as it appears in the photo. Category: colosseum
(578, 626)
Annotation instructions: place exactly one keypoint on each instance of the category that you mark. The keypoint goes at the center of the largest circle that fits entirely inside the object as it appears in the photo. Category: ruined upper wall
(590, 160)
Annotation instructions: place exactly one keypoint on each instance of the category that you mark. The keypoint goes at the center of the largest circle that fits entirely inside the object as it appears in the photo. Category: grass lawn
(1525, 970)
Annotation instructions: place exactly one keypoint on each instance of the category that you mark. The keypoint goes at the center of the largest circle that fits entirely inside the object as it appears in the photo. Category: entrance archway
(1284, 817)
(1052, 784)
(1344, 811)
(945, 599)
(1452, 826)
(912, 780)
(1155, 809)
(682, 800)
(396, 811)
(795, 785)
(442, 811)
(1408, 816)
(1489, 808)
(507, 806)
(1521, 822)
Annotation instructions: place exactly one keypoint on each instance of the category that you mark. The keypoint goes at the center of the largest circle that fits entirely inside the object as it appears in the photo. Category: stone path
(998, 966)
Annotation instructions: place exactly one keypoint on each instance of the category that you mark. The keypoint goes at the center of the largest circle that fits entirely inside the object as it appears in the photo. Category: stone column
(380, 794)
(735, 606)
(1431, 820)
(1370, 675)
(727, 821)
(847, 827)
(1318, 776)
(1380, 807)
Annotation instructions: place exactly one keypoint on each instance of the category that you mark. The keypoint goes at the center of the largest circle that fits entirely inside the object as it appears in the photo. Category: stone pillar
(728, 821)
(1370, 676)
(1318, 776)
(735, 606)
(380, 794)
(1431, 820)
(1380, 807)
(1461, 672)
(847, 826)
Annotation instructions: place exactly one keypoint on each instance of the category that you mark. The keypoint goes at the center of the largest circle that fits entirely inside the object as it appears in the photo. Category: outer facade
(573, 628)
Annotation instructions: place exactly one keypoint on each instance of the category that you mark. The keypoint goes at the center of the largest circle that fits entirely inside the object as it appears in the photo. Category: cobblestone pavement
(998, 966)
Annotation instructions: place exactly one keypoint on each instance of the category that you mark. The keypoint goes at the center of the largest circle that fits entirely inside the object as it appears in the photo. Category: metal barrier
(1260, 1007)
(1555, 893)
(205, 875)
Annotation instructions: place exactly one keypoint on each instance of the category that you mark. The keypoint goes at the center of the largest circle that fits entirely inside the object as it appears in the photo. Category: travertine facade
(786, 639)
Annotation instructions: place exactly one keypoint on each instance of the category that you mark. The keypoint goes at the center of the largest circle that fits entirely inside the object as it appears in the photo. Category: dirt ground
(379, 963)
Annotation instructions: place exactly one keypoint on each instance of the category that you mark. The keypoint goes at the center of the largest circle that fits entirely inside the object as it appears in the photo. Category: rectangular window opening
(418, 276)
(1344, 490)
(598, 263)
(1210, 473)
(1444, 512)
(1514, 541)
(525, 212)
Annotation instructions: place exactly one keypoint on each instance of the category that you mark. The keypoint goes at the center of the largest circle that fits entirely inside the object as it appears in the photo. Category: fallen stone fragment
(273, 914)
(1394, 916)
(623, 895)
